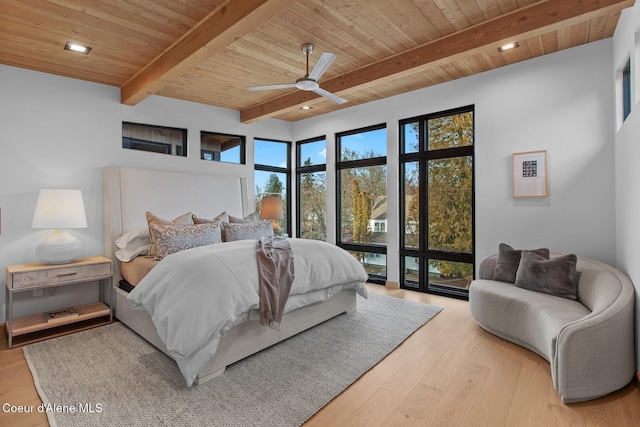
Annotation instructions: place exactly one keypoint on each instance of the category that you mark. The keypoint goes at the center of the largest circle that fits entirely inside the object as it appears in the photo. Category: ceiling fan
(310, 81)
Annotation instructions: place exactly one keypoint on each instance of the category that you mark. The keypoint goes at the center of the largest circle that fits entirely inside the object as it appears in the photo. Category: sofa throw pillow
(508, 261)
(246, 231)
(172, 238)
(556, 276)
(154, 219)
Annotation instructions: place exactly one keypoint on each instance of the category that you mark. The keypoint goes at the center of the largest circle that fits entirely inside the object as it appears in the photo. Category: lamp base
(59, 248)
(274, 225)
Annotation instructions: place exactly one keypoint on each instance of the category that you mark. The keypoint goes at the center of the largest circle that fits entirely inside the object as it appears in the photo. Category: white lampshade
(271, 208)
(59, 210)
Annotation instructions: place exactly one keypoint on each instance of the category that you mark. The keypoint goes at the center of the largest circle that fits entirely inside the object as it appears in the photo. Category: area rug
(111, 376)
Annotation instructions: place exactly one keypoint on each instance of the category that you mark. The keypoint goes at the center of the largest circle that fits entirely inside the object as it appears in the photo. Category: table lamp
(271, 208)
(59, 210)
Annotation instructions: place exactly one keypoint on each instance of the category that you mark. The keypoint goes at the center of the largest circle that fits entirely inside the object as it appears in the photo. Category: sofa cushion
(556, 276)
(508, 261)
(528, 318)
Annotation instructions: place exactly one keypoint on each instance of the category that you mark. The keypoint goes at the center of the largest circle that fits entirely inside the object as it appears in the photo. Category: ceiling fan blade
(331, 96)
(269, 87)
(323, 63)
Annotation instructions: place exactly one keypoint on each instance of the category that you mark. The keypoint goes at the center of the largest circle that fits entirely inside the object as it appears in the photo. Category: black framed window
(311, 173)
(361, 169)
(626, 90)
(271, 176)
(155, 139)
(437, 208)
(222, 147)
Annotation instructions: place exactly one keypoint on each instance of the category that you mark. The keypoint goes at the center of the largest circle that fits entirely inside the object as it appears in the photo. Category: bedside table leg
(10, 319)
(110, 286)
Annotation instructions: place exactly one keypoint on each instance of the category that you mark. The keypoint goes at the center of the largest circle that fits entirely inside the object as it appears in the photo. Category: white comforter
(196, 295)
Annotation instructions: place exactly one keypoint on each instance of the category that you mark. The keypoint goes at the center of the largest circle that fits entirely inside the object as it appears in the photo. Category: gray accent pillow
(556, 276)
(172, 238)
(508, 261)
(246, 231)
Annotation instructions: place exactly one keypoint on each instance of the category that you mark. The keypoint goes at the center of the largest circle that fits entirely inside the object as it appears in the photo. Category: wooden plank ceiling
(209, 51)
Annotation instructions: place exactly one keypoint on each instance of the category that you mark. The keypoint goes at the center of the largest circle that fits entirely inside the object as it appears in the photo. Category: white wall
(627, 174)
(57, 132)
(562, 103)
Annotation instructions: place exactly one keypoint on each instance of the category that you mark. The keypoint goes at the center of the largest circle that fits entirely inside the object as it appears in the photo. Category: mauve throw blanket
(275, 276)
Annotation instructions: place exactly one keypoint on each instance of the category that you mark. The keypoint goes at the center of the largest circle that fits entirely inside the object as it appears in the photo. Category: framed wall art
(530, 174)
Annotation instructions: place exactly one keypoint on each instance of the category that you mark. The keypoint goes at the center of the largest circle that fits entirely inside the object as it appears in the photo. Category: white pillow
(134, 243)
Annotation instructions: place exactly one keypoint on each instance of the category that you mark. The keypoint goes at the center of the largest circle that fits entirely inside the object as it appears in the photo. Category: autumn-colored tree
(370, 179)
(412, 211)
(361, 213)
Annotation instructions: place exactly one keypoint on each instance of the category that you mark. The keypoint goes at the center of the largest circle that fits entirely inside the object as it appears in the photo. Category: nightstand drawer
(52, 276)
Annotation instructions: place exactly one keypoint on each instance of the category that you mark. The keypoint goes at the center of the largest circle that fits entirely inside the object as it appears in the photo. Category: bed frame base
(245, 339)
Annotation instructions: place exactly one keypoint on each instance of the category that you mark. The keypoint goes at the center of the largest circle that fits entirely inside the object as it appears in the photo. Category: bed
(130, 193)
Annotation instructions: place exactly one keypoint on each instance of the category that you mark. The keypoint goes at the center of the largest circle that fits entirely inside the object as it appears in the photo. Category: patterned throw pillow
(246, 231)
(154, 219)
(172, 238)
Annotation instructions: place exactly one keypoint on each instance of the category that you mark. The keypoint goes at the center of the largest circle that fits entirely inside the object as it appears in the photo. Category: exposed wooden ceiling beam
(230, 20)
(519, 24)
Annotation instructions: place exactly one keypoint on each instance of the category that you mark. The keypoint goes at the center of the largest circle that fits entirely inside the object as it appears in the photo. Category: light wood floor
(449, 373)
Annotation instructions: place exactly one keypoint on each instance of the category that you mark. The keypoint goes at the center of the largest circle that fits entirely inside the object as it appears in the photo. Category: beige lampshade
(271, 208)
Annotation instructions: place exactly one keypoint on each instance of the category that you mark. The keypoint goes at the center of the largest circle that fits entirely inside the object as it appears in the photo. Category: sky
(275, 154)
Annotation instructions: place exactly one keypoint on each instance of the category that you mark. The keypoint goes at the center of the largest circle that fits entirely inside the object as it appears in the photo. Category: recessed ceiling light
(77, 48)
(508, 46)
(306, 107)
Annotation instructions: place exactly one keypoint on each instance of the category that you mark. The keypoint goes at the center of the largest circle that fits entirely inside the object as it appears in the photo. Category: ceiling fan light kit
(309, 82)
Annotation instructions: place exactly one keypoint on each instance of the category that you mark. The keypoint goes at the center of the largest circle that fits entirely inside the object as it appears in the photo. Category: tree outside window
(312, 189)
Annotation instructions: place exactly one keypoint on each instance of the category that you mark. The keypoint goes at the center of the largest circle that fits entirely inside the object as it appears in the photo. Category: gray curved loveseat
(589, 343)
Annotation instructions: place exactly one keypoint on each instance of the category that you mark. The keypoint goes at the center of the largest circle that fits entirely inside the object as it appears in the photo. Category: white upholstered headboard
(129, 193)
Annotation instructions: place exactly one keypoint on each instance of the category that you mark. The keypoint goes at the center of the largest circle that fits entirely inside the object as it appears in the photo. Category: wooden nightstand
(37, 327)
